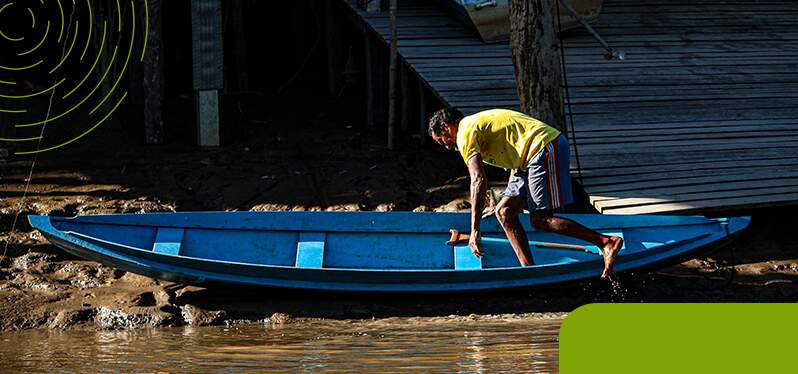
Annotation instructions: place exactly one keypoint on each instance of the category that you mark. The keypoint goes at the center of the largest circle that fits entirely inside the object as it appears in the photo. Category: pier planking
(701, 117)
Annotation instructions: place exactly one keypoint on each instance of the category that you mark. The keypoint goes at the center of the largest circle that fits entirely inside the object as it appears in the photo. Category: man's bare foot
(610, 252)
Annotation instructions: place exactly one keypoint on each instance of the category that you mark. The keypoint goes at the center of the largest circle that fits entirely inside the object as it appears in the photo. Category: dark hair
(445, 115)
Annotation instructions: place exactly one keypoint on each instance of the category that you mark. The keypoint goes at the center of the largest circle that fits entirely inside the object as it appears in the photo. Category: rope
(38, 146)
(568, 98)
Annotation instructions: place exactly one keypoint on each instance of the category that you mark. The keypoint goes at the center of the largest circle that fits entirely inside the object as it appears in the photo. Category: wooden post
(534, 49)
(369, 61)
(106, 9)
(153, 77)
(392, 79)
(208, 66)
(208, 117)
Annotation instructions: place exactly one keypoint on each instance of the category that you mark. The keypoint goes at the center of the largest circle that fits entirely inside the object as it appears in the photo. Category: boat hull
(561, 267)
(492, 21)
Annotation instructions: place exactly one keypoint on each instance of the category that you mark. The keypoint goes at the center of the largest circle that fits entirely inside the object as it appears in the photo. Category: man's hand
(491, 210)
(475, 243)
(478, 188)
(488, 211)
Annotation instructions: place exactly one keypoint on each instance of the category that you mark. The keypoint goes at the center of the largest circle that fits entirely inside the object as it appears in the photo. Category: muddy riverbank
(322, 162)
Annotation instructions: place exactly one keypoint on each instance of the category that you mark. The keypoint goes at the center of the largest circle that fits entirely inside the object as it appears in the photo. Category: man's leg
(544, 220)
(550, 188)
(508, 218)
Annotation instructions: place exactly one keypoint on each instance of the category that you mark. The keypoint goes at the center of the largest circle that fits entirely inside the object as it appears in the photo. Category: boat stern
(735, 225)
(41, 223)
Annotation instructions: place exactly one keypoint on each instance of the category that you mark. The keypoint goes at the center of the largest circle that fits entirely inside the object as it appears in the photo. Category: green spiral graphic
(63, 67)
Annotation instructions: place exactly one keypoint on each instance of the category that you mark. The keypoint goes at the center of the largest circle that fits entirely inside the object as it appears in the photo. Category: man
(537, 156)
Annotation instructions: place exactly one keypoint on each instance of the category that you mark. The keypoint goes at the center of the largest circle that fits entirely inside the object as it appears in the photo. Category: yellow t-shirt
(504, 138)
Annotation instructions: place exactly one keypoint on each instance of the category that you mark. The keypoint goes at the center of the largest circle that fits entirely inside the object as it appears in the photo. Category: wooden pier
(702, 116)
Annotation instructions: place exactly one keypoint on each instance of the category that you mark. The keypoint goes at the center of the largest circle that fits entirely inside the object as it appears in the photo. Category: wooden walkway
(702, 116)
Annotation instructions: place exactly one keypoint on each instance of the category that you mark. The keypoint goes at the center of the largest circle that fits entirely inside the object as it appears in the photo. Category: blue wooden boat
(491, 18)
(365, 251)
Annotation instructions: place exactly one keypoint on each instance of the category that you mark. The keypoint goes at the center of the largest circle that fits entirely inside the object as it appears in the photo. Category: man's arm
(478, 187)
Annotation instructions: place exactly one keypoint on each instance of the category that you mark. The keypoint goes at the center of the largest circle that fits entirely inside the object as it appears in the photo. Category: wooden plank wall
(702, 115)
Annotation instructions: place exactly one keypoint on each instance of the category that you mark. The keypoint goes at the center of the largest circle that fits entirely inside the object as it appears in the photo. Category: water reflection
(339, 346)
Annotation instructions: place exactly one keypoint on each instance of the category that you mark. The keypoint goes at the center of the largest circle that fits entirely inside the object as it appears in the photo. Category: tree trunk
(536, 57)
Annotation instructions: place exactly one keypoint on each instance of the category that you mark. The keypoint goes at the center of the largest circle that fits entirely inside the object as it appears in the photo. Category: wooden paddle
(459, 238)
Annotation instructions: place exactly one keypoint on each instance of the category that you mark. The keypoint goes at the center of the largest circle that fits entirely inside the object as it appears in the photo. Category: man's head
(443, 127)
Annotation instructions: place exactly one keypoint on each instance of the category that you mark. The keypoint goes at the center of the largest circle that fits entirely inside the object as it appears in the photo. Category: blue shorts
(546, 183)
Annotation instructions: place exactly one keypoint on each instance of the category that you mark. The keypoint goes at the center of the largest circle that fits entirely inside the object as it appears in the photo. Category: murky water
(374, 346)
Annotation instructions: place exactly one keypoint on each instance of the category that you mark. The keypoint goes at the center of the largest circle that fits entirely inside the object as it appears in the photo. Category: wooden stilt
(208, 67)
(392, 72)
(208, 116)
(369, 61)
(380, 56)
(153, 77)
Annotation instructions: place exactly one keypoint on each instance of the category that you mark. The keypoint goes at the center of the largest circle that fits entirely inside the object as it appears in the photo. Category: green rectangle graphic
(679, 338)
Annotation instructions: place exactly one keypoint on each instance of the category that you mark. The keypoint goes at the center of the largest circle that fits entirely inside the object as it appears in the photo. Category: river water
(395, 345)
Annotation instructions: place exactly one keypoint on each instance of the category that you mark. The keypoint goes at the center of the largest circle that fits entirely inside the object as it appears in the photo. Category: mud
(321, 162)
